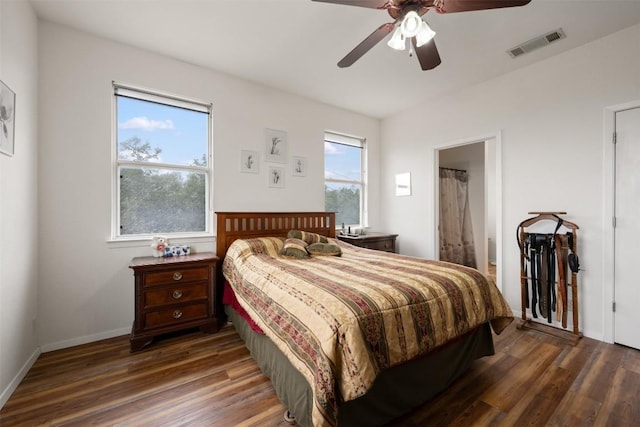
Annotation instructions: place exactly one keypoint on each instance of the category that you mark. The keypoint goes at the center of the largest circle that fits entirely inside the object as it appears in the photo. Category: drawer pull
(177, 314)
(177, 294)
(177, 276)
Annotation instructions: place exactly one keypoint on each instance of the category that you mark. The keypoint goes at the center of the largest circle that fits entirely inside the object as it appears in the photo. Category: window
(162, 168)
(345, 160)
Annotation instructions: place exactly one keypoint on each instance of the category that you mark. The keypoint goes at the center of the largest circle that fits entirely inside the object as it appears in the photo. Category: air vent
(536, 43)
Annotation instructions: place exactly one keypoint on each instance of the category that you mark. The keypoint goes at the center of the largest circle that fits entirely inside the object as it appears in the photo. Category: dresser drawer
(177, 275)
(175, 294)
(176, 315)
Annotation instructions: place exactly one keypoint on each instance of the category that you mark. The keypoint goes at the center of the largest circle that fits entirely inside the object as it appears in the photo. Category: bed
(356, 339)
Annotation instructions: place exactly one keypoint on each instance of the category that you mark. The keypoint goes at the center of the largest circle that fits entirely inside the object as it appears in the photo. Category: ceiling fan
(409, 25)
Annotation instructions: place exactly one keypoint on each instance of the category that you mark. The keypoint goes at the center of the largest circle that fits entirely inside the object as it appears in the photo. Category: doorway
(480, 157)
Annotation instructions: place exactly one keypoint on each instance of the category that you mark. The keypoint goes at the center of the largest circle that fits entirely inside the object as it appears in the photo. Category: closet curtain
(456, 230)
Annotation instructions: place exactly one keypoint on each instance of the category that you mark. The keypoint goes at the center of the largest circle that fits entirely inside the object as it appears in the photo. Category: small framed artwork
(276, 177)
(276, 146)
(249, 161)
(299, 166)
(403, 184)
(7, 119)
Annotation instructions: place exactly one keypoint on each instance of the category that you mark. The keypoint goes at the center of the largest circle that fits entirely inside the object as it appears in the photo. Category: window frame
(158, 97)
(358, 142)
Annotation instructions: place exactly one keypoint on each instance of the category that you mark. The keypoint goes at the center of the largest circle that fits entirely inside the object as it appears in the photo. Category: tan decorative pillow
(307, 237)
(324, 249)
(294, 248)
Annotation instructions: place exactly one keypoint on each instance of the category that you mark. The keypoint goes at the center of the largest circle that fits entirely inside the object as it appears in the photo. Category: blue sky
(180, 134)
(342, 161)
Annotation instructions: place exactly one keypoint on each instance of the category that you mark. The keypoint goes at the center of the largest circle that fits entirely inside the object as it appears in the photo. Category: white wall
(18, 199)
(551, 114)
(86, 288)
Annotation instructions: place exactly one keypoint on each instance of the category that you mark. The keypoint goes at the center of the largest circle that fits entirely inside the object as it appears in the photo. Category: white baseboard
(85, 339)
(7, 392)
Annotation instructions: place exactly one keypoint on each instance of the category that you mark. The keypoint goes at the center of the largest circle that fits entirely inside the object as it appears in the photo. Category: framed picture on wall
(299, 166)
(403, 184)
(7, 119)
(276, 146)
(276, 177)
(249, 161)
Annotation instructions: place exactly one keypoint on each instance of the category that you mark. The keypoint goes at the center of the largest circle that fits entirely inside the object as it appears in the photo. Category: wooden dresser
(173, 294)
(377, 241)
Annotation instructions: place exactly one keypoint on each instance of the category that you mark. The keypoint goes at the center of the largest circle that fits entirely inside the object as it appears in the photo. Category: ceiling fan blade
(366, 45)
(427, 54)
(450, 6)
(373, 4)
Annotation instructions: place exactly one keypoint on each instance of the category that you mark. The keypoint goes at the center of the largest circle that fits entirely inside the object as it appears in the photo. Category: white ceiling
(294, 45)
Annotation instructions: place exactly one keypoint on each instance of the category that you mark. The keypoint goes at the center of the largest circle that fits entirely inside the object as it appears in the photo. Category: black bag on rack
(574, 262)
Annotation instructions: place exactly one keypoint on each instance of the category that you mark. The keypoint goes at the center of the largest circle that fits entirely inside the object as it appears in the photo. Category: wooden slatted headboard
(247, 225)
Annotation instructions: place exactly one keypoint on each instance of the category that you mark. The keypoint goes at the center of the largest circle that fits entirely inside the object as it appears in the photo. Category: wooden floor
(210, 380)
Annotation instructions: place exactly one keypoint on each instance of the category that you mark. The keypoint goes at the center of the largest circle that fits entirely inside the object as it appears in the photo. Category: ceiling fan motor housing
(398, 9)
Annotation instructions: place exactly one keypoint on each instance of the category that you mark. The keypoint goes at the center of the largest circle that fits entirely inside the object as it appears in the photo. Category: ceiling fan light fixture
(411, 24)
(408, 24)
(425, 34)
(397, 40)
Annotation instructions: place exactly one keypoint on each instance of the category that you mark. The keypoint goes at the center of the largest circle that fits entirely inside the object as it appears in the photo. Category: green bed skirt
(396, 391)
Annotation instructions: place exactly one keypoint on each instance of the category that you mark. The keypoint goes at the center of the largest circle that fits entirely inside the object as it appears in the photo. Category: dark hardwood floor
(210, 380)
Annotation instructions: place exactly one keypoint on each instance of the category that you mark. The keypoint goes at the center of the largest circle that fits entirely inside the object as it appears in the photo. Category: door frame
(497, 138)
(608, 237)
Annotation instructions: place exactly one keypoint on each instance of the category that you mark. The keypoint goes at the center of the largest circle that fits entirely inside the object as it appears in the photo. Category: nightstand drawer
(175, 294)
(372, 240)
(178, 275)
(380, 245)
(176, 316)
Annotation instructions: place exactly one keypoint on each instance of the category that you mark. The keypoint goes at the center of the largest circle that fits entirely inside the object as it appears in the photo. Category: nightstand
(377, 241)
(172, 294)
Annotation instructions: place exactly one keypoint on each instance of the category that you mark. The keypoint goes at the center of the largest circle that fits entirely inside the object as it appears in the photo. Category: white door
(627, 229)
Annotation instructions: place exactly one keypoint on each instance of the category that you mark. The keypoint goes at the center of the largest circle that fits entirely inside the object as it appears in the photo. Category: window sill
(146, 241)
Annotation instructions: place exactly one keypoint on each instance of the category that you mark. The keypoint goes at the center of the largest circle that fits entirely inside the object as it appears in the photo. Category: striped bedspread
(342, 320)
